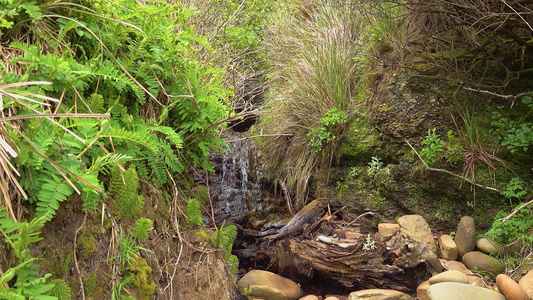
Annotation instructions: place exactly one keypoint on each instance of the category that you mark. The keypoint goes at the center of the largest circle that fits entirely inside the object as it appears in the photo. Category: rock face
(460, 291)
(479, 261)
(465, 238)
(527, 283)
(488, 246)
(378, 294)
(416, 227)
(448, 248)
(264, 284)
(510, 289)
(449, 276)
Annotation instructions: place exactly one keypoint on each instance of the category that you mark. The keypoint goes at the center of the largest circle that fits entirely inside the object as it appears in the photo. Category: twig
(516, 211)
(287, 196)
(499, 95)
(451, 173)
(256, 136)
(367, 213)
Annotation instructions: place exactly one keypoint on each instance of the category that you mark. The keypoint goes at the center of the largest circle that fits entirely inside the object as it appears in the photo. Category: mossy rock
(143, 286)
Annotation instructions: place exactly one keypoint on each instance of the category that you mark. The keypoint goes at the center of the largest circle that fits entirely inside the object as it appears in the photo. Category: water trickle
(237, 176)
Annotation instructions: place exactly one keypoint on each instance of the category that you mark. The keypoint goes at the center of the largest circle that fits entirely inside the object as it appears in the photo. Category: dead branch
(516, 210)
(451, 173)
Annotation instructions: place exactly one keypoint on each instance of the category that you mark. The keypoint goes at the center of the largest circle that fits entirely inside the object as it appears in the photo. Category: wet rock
(270, 286)
(510, 289)
(526, 283)
(422, 291)
(489, 246)
(465, 238)
(479, 261)
(460, 291)
(386, 229)
(449, 276)
(458, 266)
(378, 294)
(309, 297)
(416, 227)
(448, 248)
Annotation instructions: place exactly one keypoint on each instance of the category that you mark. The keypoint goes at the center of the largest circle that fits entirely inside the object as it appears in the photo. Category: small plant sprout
(374, 166)
(369, 244)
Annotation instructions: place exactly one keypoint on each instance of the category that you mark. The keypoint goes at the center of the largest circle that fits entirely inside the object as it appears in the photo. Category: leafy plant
(434, 147)
(142, 229)
(369, 244)
(124, 186)
(194, 214)
(23, 281)
(514, 189)
(374, 166)
(322, 135)
(61, 290)
(514, 228)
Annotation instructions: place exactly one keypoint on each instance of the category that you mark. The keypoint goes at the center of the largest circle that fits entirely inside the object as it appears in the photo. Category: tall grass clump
(311, 50)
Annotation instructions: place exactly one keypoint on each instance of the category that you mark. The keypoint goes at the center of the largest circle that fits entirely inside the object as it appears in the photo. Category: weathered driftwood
(398, 262)
(308, 215)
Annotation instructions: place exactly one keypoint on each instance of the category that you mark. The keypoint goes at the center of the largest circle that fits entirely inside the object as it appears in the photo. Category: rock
(527, 283)
(269, 286)
(309, 297)
(465, 238)
(448, 248)
(457, 266)
(353, 235)
(378, 294)
(416, 227)
(332, 298)
(479, 261)
(489, 246)
(510, 289)
(386, 229)
(325, 240)
(449, 276)
(422, 291)
(337, 297)
(460, 291)
(476, 281)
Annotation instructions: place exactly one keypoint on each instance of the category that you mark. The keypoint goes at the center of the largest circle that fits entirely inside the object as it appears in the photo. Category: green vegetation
(311, 53)
(194, 214)
(61, 290)
(125, 186)
(142, 229)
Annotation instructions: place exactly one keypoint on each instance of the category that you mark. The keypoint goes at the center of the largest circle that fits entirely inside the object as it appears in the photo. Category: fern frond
(158, 168)
(52, 192)
(194, 214)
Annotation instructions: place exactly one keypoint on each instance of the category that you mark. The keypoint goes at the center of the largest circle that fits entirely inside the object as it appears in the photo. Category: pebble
(479, 261)
(510, 289)
(489, 246)
(448, 248)
(422, 290)
(527, 283)
(309, 297)
(386, 229)
(325, 240)
(465, 238)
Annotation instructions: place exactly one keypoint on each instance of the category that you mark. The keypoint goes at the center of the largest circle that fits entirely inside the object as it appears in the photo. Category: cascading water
(236, 184)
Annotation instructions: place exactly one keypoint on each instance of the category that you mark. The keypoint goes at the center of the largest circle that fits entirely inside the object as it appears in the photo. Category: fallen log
(398, 262)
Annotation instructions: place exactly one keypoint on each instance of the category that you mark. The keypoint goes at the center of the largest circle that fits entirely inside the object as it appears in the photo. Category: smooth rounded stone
(476, 281)
(270, 286)
(416, 227)
(457, 266)
(332, 298)
(461, 291)
(449, 276)
(325, 240)
(510, 289)
(387, 229)
(378, 294)
(479, 261)
(309, 297)
(422, 291)
(465, 237)
(448, 248)
(526, 283)
(353, 235)
(489, 246)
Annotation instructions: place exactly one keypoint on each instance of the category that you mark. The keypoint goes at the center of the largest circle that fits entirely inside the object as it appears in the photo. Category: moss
(143, 280)
(86, 246)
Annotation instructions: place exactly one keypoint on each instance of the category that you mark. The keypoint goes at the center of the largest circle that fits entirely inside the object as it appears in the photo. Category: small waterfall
(237, 177)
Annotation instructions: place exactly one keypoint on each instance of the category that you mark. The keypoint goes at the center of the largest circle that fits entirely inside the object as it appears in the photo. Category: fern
(142, 228)
(52, 192)
(225, 237)
(60, 290)
(233, 262)
(194, 214)
(124, 187)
